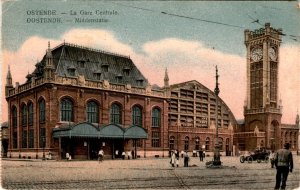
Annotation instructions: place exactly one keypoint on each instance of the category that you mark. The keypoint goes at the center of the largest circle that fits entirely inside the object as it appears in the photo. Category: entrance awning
(89, 130)
(135, 132)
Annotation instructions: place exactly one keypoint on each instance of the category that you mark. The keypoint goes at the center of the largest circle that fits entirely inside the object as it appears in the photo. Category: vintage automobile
(259, 156)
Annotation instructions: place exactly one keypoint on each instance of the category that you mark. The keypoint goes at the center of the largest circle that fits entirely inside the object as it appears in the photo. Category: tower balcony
(262, 110)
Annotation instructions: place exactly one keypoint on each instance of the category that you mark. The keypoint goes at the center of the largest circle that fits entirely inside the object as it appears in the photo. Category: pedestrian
(201, 155)
(173, 158)
(272, 155)
(128, 155)
(177, 158)
(100, 155)
(123, 155)
(67, 155)
(132, 154)
(284, 165)
(186, 159)
(117, 153)
(182, 153)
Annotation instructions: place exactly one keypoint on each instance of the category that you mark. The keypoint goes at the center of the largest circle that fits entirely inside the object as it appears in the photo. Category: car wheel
(249, 159)
(242, 159)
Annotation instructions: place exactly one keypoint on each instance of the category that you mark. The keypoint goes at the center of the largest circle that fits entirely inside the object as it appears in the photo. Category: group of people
(184, 154)
(129, 154)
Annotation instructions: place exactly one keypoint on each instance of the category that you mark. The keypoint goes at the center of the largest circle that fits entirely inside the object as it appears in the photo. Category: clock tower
(262, 110)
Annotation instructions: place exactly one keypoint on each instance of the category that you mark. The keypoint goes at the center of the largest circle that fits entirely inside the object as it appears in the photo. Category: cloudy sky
(188, 38)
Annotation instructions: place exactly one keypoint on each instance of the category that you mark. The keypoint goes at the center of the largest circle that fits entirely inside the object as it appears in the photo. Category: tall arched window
(207, 142)
(92, 112)
(42, 111)
(115, 114)
(24, 115)
(197, 143)
(186, 143)
(30, 113)
(155, 117)
(171, 143)
(137, 116)
(66, 110)
(14, 115)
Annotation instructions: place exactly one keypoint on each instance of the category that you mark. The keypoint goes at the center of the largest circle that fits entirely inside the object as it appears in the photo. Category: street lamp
(217, 160)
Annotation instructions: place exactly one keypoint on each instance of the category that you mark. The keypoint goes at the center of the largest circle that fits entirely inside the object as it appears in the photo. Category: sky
(188, 38)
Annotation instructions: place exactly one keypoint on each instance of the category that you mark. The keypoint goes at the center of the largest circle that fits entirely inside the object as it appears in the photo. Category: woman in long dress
(173, 158)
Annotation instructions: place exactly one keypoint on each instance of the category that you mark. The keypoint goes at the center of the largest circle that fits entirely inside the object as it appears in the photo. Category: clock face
(256, 54)
(272, 54)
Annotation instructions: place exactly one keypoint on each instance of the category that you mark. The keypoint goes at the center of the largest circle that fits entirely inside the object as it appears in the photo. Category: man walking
(284, 165)
(201, 155)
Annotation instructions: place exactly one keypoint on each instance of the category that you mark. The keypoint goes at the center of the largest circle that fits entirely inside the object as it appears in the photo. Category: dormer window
(126, 71)
(140, 82)
(119, 78)
(81, 63)
(97, 76)
(104, 67)
(71, 71)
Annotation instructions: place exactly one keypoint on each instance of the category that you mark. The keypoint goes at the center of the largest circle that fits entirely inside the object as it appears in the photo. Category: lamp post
(43, 139)
(217, 161)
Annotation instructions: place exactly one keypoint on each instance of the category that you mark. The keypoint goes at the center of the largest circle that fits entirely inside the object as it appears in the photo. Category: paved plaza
(144, 173)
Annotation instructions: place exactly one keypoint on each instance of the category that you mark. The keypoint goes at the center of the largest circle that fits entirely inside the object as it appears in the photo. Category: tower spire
(297, 119)
(166, 79)
(8, 77)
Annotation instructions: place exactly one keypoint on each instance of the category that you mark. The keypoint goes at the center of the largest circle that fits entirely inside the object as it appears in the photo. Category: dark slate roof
(93, 65)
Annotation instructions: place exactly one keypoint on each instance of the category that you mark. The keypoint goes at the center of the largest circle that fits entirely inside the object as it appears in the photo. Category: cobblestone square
(144, 173)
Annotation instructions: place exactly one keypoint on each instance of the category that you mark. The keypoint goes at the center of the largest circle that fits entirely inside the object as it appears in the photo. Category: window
(30, 113)
(42, 111)
(186, 143)
(92, 112)
(66, 110)
(105, 67)
(137, 116)
(15, 140)
(24, 139)
(155, 139)
(14, 117)
(155, 117)
(71, 71)
(139, 143)
(24, 115)
(207, 144)
(115, 114)
(172, 143)
(31, 138)
(197, 143)
(42, 137)
(97, 76)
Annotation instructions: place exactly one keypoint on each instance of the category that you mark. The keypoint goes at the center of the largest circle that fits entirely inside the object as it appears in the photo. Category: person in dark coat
(186, 159)
(284, 164)
(201, 155)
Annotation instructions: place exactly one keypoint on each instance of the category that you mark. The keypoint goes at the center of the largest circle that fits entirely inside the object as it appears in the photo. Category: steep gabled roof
(93, 65)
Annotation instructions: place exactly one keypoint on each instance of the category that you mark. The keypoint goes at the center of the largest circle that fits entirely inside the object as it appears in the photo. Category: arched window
(14, 116)
(42, 111)
(115, 114)
(24, 115)
(155, 117)
(172, 143)
(207, 142)
(66, 110)
(186, 143)
(30, 113)
(92, 112)
(197, 143)
(137, 116)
